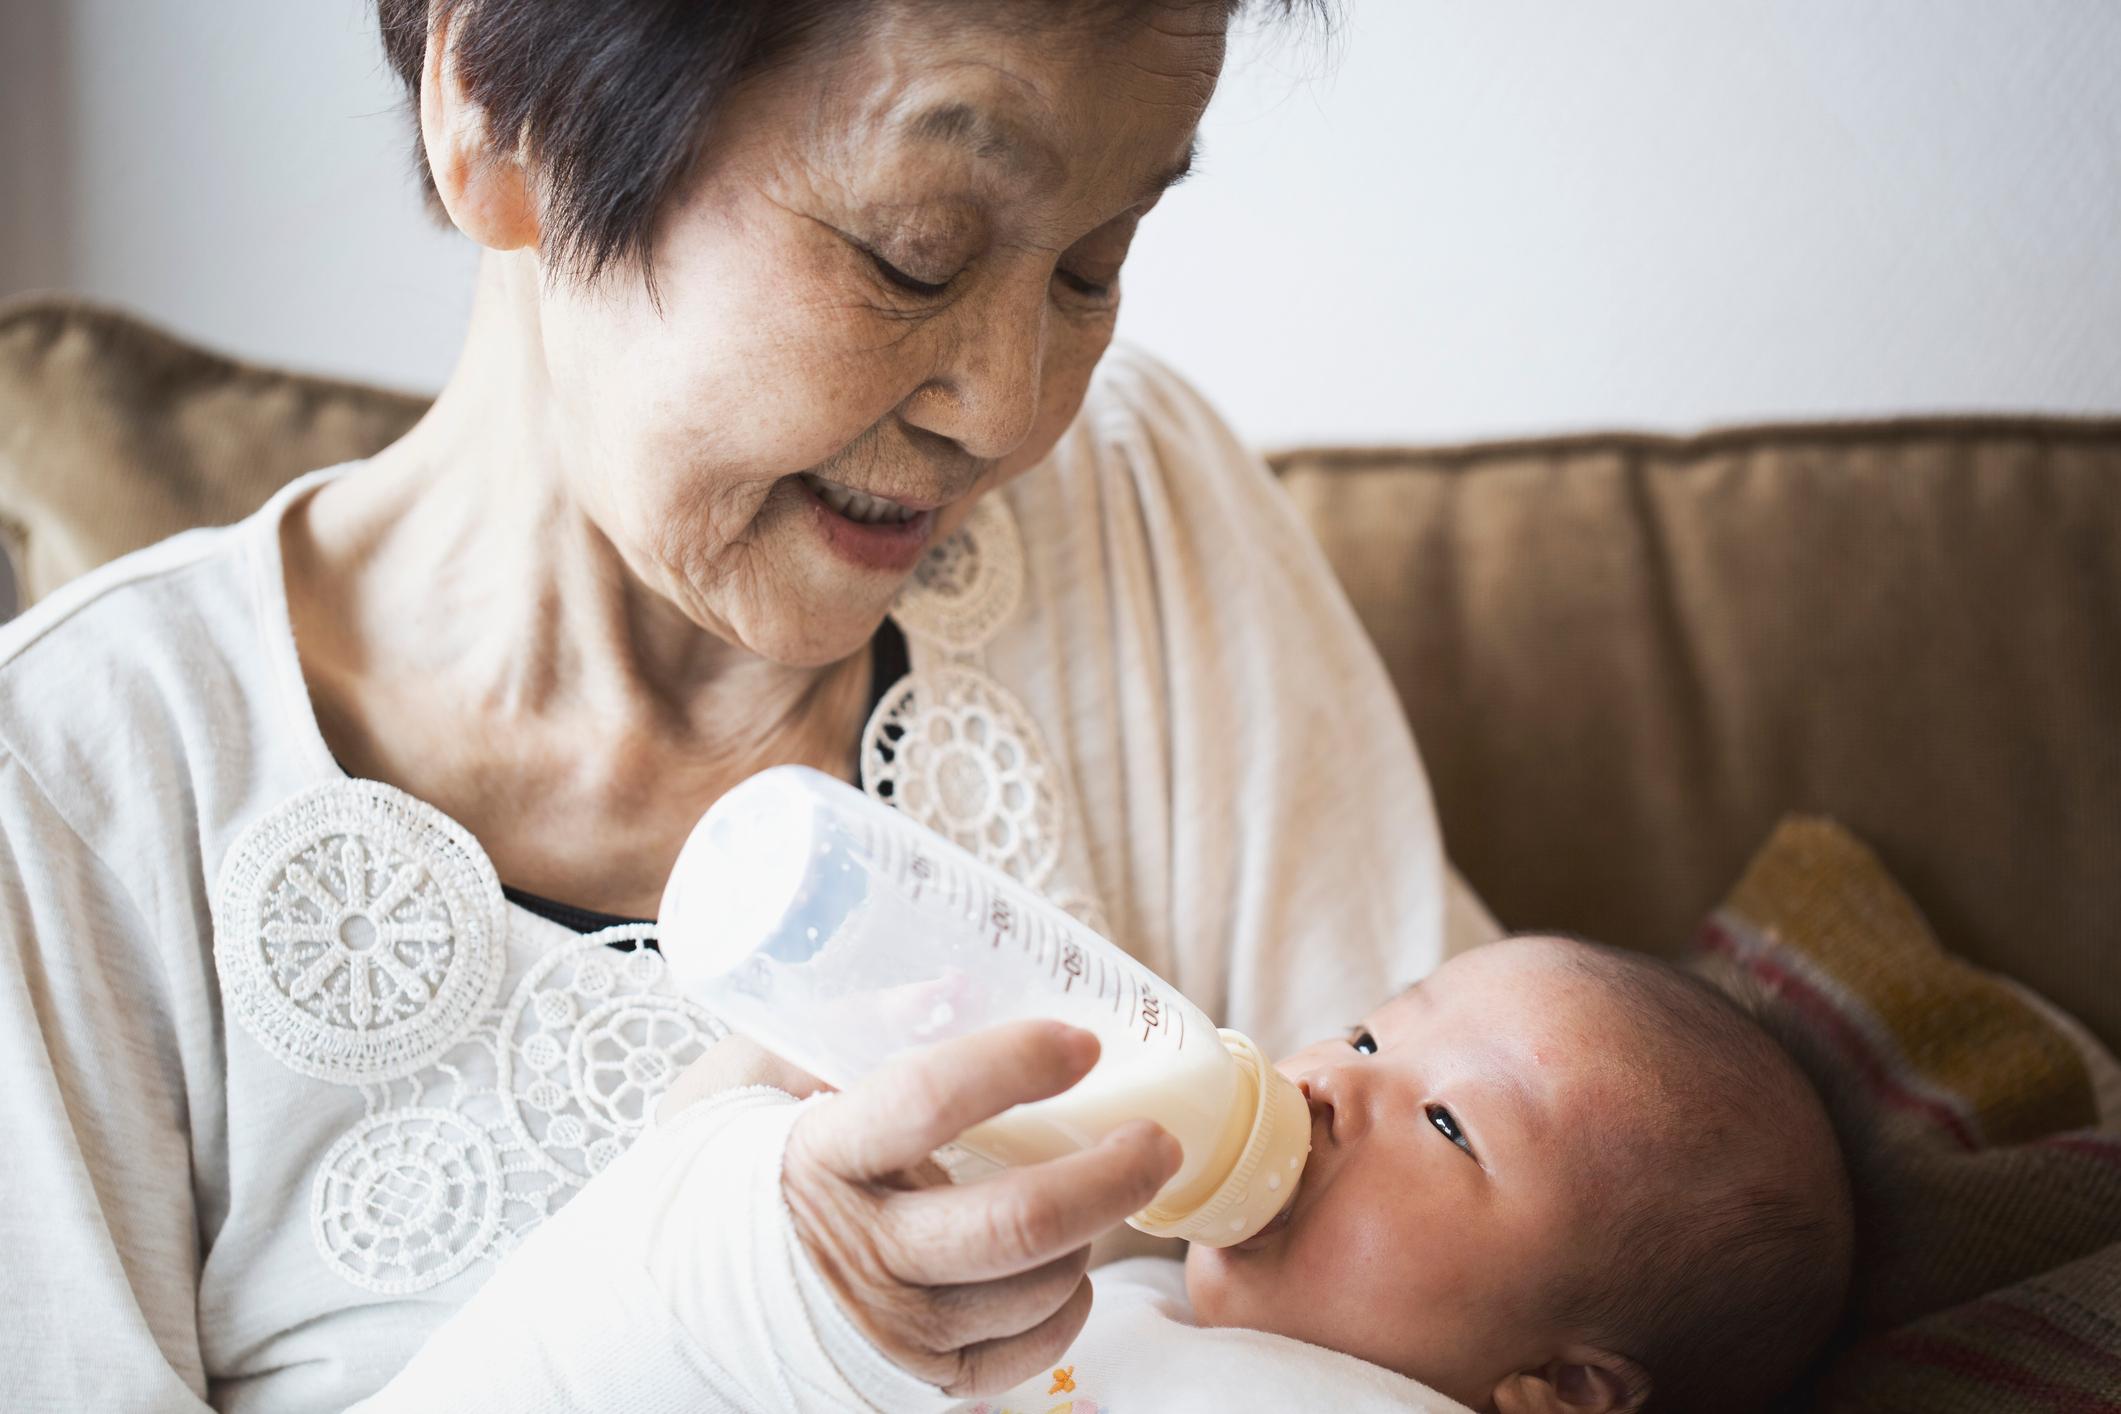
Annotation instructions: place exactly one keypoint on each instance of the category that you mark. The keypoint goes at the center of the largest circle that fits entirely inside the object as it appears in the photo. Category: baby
(1554, 1176)
(1551, 1177)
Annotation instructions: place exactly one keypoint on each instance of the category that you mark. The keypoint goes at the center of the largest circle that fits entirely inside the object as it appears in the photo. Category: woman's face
(891, 272)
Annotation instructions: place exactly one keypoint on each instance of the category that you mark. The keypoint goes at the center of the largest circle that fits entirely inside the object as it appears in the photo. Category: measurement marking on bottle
(1152, 1013)
(1072, 963)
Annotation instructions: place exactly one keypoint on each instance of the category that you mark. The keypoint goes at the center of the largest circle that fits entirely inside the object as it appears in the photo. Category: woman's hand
(971, 1288)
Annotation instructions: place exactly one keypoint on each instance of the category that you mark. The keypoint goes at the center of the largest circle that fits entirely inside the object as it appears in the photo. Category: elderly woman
(785, 430)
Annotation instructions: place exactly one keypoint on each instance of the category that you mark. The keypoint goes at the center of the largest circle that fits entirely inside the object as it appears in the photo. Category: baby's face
(1459, 1137)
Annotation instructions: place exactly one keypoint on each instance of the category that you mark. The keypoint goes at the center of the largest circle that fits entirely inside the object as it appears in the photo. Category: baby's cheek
(1229, 1288)
(1285, 1289)
(1206, 1285)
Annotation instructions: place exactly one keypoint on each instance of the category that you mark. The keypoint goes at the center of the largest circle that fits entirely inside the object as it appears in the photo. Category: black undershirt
(888, 662)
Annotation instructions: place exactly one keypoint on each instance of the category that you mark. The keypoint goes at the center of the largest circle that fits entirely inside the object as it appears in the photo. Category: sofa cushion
(1987, 1184)
(1626, 657)
(114, 435)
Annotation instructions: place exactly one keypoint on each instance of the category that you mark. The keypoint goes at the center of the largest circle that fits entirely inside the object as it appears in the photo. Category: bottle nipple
(1263, 1179)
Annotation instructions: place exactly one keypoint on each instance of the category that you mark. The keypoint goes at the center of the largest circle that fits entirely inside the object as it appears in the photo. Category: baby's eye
(1448, 1127)
(1363, 1041)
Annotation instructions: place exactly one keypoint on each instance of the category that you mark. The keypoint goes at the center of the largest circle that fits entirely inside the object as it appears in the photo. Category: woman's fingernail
(1082, 1047)
(1166, 1149)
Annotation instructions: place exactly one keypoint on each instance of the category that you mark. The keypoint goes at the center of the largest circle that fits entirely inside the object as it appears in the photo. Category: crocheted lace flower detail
(955, 750)
(964, 589)
(589, 1042)
(407, 1199)
(357, 932)
(464, 1159)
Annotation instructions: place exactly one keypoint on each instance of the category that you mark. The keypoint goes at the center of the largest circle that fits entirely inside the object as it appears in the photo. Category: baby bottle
(837, 932)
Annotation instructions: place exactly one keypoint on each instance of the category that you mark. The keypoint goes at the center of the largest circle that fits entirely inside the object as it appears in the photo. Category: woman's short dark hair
(612, 98)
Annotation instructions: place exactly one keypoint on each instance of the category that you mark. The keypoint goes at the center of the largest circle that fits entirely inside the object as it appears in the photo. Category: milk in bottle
(837, 932)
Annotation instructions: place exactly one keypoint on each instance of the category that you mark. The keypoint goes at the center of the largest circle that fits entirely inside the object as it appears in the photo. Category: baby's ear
(1579, 1380)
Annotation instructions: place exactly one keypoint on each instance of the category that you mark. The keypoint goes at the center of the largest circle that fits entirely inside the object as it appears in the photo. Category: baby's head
(1555, 1177)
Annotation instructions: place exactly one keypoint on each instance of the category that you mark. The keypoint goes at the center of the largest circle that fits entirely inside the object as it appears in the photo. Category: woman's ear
(1580, 1380)
(485, 186)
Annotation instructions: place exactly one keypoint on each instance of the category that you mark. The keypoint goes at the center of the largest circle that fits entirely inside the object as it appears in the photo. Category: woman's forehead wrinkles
(988, 136)
(997, 138)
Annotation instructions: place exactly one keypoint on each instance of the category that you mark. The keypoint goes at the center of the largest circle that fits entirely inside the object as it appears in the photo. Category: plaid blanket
(1988, 1272)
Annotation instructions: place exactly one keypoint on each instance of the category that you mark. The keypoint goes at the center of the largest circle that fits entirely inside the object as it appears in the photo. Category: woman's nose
(1338, 1093)
(986, 399)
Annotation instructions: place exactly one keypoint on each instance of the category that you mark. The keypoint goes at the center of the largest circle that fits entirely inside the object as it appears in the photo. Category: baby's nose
(1333, 1093)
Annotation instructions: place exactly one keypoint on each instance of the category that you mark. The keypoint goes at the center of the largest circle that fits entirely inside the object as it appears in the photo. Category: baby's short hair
(1724, 1278)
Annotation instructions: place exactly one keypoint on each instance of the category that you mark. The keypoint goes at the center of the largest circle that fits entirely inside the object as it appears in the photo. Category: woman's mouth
(871, 531)
(859, 506)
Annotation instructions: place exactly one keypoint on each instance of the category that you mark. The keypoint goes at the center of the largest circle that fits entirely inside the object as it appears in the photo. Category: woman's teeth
(859, 505)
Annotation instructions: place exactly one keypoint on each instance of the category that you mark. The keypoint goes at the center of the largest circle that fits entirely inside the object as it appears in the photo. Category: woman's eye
(1091, 288)
(1363, 1041)
(904, 281)
(1448, 1127)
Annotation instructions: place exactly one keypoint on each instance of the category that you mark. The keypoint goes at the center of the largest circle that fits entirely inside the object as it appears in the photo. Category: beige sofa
(1624, 656)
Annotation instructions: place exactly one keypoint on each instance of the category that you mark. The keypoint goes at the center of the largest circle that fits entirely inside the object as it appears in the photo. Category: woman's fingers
(1025, 1217)
(975, 1287)
(995, 1310)
(918, 1102)
(995, 1365)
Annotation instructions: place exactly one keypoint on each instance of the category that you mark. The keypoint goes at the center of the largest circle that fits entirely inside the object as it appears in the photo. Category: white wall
(1502, 216)
(239, 169)
(1457, 220)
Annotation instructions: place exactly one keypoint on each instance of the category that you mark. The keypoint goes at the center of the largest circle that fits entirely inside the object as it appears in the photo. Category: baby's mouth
(1274, 1225)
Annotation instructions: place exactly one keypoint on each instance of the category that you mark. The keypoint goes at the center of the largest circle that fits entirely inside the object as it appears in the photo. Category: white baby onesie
(1142, 1352)
(718, 1307)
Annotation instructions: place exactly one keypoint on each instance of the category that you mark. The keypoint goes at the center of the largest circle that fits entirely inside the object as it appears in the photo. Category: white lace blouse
(283, 1075)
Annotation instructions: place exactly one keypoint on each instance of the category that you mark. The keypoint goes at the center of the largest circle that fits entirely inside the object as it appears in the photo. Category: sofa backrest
(115, 434)
(1624, 657)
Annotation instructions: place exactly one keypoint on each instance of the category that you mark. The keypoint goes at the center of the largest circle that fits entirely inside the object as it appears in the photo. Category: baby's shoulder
(1142, 1349)
(1157, 1282)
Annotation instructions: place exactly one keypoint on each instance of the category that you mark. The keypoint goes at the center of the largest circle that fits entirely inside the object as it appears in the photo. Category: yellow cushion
(1988, 1191)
